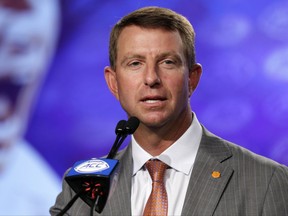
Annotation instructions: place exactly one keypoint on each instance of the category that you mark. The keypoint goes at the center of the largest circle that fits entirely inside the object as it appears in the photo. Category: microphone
(131, 125)
(120, 127)
(122, 130)
(92, 179)
(119, 130)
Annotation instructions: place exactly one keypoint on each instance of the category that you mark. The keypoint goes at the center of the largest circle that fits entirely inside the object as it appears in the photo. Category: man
(28, 35)
(153, 73)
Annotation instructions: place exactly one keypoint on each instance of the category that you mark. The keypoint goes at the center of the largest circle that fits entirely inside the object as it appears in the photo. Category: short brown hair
(155, 17)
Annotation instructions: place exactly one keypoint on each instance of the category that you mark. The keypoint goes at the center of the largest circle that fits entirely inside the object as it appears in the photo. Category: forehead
(27, 39)
(135, 38)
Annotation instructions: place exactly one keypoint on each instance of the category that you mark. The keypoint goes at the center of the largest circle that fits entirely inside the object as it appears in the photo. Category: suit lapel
(206, 186)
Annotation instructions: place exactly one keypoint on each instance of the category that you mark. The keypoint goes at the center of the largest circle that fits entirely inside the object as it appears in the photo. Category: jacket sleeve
(78, 208)
(276, 199)
(63, 198)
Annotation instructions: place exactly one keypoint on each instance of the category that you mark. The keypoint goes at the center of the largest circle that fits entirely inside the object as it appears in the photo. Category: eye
(168, 62)
(19, 48)
(134, 64)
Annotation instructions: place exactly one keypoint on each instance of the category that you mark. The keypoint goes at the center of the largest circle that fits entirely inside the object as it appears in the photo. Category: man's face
(152, 81)
(27, 36)
(21, 61)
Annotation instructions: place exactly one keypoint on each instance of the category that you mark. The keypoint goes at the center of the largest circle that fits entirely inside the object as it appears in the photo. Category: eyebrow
(170, 54)
(131, 56)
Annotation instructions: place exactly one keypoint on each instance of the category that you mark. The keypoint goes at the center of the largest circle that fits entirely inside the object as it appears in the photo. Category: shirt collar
(179, 156)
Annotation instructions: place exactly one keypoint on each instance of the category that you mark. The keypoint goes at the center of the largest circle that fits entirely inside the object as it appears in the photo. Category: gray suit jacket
(249, 184)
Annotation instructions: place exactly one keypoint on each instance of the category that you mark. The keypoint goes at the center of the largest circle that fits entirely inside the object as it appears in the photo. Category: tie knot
(156, 169)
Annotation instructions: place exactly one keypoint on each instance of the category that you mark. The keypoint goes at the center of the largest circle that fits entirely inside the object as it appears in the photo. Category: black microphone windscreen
(132, 124)
(120, 127)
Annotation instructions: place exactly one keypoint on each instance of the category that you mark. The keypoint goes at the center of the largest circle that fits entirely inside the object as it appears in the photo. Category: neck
(156, 140)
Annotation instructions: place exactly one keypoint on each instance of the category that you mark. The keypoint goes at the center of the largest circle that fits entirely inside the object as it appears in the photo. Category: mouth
(9, 92)
(153, 99)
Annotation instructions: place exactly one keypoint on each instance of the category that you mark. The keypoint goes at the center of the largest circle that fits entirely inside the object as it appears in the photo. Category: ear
(111, 80)
(194, 77)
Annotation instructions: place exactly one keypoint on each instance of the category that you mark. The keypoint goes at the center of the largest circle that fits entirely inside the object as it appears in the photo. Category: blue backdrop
(242, 96)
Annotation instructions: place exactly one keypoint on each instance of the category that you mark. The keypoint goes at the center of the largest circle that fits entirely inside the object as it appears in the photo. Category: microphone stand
(122, 130)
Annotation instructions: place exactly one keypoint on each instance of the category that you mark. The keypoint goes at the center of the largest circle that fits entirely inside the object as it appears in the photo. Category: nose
(151, 76)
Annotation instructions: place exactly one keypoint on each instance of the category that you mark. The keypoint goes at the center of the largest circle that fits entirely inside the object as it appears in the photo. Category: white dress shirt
(179, 157)
(28, 185)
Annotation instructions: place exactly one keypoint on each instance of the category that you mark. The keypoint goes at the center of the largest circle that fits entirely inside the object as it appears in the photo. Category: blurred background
(54, 103)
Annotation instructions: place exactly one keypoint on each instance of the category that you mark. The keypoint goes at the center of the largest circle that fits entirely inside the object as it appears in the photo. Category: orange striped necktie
(157, 203)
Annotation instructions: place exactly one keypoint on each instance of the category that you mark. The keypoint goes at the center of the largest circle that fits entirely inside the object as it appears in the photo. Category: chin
(154, 122)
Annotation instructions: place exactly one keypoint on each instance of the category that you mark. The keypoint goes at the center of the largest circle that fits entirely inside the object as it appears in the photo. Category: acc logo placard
(91, 166)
